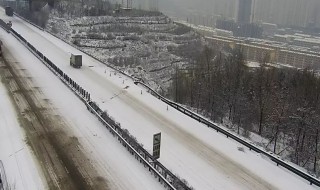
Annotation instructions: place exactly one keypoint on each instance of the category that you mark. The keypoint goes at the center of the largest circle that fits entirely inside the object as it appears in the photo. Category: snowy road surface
(207, 160)
(16, 155)
(112, 162)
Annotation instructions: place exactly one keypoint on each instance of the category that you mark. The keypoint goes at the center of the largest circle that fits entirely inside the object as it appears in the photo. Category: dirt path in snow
(59, 154)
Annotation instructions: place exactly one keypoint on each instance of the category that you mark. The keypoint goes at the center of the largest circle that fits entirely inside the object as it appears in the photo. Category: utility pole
(176, 78)
(253, 11)
(176, 83)
(30, 5)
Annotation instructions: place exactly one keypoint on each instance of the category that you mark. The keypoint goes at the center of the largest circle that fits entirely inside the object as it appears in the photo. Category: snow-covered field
(207, 160)
(21, 168)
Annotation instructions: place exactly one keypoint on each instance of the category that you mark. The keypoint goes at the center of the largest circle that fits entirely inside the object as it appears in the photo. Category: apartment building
(273, 53)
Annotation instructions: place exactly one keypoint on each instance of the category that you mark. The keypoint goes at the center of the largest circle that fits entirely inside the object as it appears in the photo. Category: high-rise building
(244, 11)
(153, 5)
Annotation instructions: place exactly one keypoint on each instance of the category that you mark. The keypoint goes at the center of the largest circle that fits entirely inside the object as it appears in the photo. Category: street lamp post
(176, 77)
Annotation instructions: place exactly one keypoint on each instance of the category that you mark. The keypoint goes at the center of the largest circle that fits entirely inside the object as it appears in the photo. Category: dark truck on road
(9, 11)
(76, 61)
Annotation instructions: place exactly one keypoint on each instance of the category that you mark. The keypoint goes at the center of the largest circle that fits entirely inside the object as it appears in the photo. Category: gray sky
(182, 7)
(286, 12)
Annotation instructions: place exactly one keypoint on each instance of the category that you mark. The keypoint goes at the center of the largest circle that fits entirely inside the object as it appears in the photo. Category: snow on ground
(252, 64)
(21, 168)
(206, 159)
(149, 42)
(111, 160)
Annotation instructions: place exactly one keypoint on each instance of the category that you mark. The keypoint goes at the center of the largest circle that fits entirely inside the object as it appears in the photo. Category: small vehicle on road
(76, 61)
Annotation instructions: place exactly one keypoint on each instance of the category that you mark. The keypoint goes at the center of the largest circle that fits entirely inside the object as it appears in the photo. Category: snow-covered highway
(15, 154)
(207, 160)
(106, 161)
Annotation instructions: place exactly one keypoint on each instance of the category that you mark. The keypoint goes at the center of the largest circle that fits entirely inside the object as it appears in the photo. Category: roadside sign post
(156, 145)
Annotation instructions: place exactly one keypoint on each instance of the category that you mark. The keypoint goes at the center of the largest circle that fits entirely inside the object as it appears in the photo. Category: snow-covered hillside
(144, 47)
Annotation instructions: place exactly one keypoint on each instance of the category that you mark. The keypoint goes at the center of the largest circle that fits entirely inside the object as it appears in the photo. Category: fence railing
(3, 178)
(164, 175)
(4, 26)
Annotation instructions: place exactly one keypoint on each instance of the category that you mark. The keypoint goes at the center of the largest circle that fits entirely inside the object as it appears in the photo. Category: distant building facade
(260, 52)
(251, 30)
(269, 29)
(244, 11)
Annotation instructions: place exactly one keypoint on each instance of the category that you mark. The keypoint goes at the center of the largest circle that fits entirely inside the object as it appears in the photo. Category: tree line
(279, 104)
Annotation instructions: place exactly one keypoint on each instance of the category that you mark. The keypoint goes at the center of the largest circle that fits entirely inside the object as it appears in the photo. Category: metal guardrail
(168, 175)
(4, 26)
(205, 121)
(165, 176)
(3, 178)
(228, 134)
(143, 156)
(17, 15)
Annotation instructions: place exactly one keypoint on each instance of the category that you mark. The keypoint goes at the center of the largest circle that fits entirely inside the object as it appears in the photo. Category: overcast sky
(283, 12)
(181, 7)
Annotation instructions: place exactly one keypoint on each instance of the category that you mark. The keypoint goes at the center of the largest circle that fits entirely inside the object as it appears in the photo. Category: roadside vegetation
(282, 105)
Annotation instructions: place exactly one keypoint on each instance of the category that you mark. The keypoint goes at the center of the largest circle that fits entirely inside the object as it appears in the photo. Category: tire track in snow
(63, 163)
